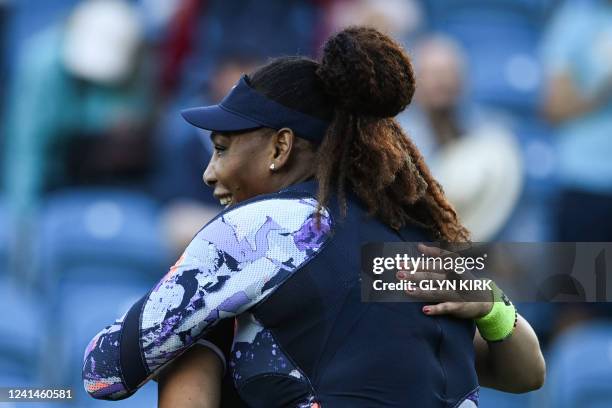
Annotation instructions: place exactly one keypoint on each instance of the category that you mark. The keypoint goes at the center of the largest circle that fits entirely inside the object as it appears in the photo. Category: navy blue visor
(244, 108)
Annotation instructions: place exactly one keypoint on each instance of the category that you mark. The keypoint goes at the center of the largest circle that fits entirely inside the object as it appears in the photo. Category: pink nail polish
(426, 309)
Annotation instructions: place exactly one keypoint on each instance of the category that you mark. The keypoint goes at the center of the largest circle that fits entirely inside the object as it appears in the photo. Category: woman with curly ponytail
(311, 165)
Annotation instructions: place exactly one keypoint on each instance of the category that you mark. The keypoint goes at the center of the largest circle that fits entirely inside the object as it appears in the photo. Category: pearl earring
(272, 166)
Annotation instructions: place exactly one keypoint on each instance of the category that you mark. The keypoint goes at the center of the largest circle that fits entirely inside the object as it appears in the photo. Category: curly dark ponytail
(364, 80)
(367, 73)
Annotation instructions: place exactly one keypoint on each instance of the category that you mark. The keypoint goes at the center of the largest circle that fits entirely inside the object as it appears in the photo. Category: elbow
(95, 386)
(539, 376)
(535, 383)
(102, 379)
(101, 373)
(103, 390)
(102, 387)
(533, 379)
(91, 389)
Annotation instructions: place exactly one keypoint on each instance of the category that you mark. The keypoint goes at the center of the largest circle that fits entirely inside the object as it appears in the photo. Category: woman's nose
(209, 176)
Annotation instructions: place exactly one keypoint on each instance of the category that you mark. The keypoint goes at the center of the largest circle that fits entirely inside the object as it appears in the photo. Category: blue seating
(4, 239)
(4, 236)
(20, 334)
(83, 310)
(100, 232)
(441, 12)
(22, 22)
(507, 76)
(580, 367)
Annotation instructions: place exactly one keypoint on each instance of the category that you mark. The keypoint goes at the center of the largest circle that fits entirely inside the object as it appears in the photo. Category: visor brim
(216, 118)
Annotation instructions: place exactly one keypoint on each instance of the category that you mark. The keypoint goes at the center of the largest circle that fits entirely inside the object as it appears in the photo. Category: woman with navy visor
(312, 165)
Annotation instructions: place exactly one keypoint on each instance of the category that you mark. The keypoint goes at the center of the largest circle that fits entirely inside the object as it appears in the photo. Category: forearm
(192, 381)
(513, 365)
(564, 101)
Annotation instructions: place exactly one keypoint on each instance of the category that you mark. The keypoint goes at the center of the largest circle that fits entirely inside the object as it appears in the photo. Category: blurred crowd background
(102, 179)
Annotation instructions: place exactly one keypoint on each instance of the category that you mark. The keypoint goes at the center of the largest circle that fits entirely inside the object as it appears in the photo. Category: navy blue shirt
(291, 278)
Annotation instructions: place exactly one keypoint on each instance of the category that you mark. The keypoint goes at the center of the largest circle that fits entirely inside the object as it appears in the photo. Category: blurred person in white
(399, 18)
(475, 157)
(440, 114)
(472, 154)
(577, 57)
(77, 110)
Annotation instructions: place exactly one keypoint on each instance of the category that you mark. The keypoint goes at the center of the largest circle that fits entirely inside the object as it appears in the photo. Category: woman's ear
(283, 142)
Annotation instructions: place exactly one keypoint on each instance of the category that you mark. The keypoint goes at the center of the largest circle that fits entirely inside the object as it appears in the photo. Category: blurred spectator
(439, 113)
(209, 45)
(158, 15)
(79, 107)
(178, 40)
(577, 59)
(577, 55)
(500, 39)
(288, 27)
(78, 103)
(477, 162)
(399, 18)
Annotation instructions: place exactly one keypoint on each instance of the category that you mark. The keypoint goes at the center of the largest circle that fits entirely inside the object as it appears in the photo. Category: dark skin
(240, 166)
(192, 380)
(240, 169)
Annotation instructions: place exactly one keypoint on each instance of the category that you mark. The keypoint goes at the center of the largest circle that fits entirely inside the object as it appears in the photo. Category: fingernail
(426, 309)
(401, 275)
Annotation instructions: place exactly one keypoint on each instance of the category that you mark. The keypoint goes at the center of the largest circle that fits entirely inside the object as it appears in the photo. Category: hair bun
(367, 72)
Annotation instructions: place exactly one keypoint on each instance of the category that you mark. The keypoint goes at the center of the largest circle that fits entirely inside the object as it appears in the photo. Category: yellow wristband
(499, 323)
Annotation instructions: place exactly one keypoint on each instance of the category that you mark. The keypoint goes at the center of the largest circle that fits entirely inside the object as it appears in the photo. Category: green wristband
(499, 323)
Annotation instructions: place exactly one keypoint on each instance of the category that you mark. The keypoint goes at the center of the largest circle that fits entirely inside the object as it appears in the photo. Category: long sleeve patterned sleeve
(235, 262)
